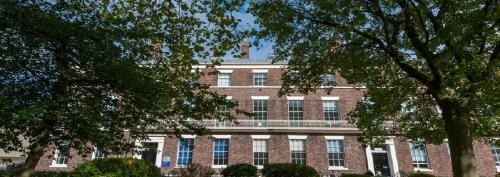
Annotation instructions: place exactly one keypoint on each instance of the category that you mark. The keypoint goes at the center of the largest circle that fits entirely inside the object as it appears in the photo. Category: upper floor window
(419, 156)
(221, 151)
(259, 79)
(295, 112)
(260, 152)
(335, 153)
(260, 112)
(495, 151)
(224, 79)
(185, 152)
(298, 151)
(328, 80)
(331, 110)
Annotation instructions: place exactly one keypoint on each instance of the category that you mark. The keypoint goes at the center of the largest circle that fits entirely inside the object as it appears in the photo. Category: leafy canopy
(410, 53)
(87, 71)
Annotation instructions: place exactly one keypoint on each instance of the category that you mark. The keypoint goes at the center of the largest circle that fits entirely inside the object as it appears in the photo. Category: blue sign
(165, 162)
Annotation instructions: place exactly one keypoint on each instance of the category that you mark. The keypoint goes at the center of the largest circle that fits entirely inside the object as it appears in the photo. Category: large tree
(416, 53)
(82, 73)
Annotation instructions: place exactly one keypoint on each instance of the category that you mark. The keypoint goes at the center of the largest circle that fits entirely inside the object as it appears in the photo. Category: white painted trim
(222, 136)
(334, 137)
(422, 169)
(229, 97)
(260, 167)
(295, 97)
(260, 97)
(260, 136)
(330, 98)
(219, 166)
(393, 159)
(498, 169)
(225, 71)
(337, 168)
(369, 159)
(259, 70)
(297, 137)
(58, 165)
(188, 136)
(159, 153)
(249, 66)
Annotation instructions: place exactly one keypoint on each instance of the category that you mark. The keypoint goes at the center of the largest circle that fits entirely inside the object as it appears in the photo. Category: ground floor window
(260, 152)
(335, 153)
(221, 151)
(419, 155)
(298, 151)
(185, 153)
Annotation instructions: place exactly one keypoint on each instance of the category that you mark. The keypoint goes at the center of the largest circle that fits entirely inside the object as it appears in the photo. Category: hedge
(240, 170)
(288, 170)
(117, 167)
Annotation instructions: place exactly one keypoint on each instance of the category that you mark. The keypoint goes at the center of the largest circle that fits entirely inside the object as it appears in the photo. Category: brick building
(307, 129)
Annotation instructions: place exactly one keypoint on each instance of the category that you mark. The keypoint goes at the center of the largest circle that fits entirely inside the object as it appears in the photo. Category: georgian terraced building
(305, 129)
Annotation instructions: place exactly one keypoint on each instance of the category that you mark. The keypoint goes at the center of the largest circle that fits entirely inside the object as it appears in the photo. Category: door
(149, 152)
(381, 164)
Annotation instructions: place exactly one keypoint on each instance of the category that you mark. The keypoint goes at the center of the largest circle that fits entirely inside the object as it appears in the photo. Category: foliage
(412, 56)
(288, 170)
(39, 174)
(197, 170)
(420, 175)
(111, 167)
(354, 175)
(85, 71)
(497, 175)
(240, 170)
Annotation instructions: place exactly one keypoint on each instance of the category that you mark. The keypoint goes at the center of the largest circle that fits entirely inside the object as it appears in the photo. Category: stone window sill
(337, 168)
(423, 169)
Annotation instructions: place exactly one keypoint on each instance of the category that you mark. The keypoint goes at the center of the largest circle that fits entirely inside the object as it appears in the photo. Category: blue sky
(248, 21)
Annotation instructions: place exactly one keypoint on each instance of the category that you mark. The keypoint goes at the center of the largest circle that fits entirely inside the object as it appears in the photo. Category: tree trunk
(36, 152)
(458, 126)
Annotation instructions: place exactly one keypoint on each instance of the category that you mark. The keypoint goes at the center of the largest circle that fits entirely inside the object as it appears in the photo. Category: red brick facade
(241, 143)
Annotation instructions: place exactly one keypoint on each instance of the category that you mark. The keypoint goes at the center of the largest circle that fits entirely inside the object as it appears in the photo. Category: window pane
(298, 151)
(260, 79)
(260, 112)
(335, 153)
(260, 152)
(221, 151)
(495, 151)
(185, 154)
(295, 112)
(331, 110)
(224, 79)
(98, 154)
(328, 80)
(418, 155)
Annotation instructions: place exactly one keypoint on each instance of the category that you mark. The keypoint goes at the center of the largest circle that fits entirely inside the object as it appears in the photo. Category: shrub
(39, 174)
(197, 170)
(51, 174)
(240, 170)
(417, 174)
(288, 170)
(354, 175)
(115, 167)
(497, 175)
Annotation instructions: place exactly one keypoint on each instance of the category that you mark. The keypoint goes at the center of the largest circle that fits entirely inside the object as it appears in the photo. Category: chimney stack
(245, 51)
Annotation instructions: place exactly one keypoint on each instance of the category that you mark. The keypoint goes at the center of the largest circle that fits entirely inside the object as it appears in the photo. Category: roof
(248, 61)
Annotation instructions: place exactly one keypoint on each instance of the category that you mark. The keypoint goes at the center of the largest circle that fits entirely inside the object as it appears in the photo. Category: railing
(270, 124)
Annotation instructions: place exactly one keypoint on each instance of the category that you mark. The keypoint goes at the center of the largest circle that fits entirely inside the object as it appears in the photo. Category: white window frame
(219, 81)
(228, 138)
(57, 153)
(304, 150)
(266, 140)
(339, 168)
(179, 148)
(95, 153)
(258, 122)
(424, 150)
(335, 108)
(265, 80)
(296, 121)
